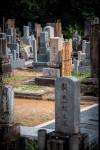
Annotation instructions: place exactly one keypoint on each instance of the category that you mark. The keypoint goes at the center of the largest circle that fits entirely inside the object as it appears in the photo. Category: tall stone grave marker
(37, 33)
(58, 28)
(66, 58)
(12, 33)
(43, 55)
(94, 50)
(6, 104)
(87, 27)
(67, 105)
(9, 132)
(5, 66)
(50, 31)
(56, 47)
(34, 50)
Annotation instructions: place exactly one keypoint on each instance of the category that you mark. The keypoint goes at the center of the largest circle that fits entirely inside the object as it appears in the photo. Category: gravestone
(14, 46)
(55, 49)
(44, 47)
(90, 85)
(67, 105)
(66, 58)
(34, 50)
(87, 50)
(58, 28)
(50, 31)
(87, 27)
(2, 35)
(5, 66)
(37, 28)
(67, 133)
(74, 44)
(12, 33)
(76, 65)
(9, 132)
(6, 105)
(26, 37)
(51, 72)
(96, 20)
(75, 33)
(83, 46)
(94, 50)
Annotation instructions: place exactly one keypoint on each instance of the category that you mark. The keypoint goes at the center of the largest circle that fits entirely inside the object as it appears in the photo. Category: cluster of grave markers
(47, 47)
(67, 89)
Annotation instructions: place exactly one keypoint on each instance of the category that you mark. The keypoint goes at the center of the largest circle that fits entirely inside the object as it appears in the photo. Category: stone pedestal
(89, 86)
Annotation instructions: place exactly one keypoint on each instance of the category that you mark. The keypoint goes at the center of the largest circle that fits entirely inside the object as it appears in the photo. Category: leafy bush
(68, 31)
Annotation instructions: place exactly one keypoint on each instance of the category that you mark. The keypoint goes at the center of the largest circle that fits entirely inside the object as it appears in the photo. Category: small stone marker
(6, 104)
(67, 105)
(51, 72)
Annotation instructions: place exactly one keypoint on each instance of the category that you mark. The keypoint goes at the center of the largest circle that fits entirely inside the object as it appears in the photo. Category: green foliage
(28, 87)
(68, 32)
(73, 13)
(81, 76)
(13, 78)
(31, 147)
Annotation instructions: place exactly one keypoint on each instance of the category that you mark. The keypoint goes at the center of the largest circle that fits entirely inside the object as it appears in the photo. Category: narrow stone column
(6, 104)
(42, 143)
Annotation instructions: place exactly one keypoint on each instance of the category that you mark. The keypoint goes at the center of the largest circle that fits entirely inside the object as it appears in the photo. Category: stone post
(94, 50)
(67, 105)
(6, 104)
(9, 132)
(34, 50)
(26, 30)
(5, 66)
(83, 46)
(42, 139)
(66, 58)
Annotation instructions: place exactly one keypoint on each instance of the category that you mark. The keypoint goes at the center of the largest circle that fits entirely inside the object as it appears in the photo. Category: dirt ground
(32, 112)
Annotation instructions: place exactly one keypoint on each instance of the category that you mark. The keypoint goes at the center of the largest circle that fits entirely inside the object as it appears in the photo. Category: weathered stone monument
(53, 69)
(66, 58)
(67, 134)
(37, 28)
(9, 132)
(58, 28)
(5, 66)
(67, 105)
(90, 85)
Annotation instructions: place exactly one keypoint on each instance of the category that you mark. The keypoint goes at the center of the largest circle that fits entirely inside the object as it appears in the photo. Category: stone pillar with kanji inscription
(67, 105)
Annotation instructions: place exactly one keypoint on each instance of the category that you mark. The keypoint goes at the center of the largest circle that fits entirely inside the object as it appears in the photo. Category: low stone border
(46, 96)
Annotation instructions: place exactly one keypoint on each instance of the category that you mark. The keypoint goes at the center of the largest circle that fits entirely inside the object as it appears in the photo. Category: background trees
(72, 13)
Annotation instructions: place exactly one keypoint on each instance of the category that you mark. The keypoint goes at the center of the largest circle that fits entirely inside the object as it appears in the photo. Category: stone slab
(19, 63)
(51, 72)
(38, 66)
(45, 81)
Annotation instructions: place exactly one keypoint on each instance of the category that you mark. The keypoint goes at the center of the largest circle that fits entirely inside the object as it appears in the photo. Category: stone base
(45, 81)
(9, 136)
(5, 70)
(56, 140)
(19, 63)
(38, 66)
(83, 69)
(89, 86)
